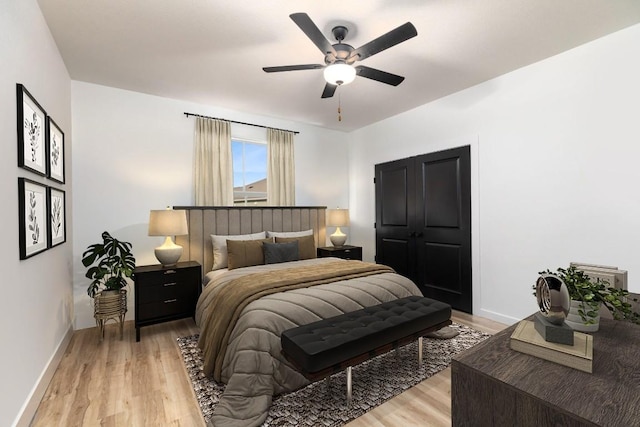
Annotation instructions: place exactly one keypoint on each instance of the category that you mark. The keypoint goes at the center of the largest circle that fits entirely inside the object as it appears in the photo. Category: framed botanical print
(55, 151)
(32, 217)
(56, 207)
(31, 132)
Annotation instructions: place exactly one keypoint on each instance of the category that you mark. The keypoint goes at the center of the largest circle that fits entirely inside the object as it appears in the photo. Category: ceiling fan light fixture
(339, 74)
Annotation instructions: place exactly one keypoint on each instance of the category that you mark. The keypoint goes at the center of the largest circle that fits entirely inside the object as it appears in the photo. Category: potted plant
(588, 295)
(109, 264)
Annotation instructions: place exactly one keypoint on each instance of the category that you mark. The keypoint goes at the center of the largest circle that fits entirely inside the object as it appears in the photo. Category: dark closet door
(395, 211)
(423, 223)
(443, 227)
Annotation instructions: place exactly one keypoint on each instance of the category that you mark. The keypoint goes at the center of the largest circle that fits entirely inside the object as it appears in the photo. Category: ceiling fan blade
(402, 33)
(292, 68)
(378, 75)
(313, 32)
(329, 90)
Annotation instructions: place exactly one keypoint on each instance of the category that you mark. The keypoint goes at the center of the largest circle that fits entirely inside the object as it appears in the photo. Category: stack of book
(526, 339)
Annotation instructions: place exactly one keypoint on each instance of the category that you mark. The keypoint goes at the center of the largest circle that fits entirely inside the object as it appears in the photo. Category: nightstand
(344, 252)
(166, 293)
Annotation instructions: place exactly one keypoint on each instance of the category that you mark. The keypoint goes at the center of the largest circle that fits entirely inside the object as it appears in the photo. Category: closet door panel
(443, 231)
(396, 254)
(395, 211)
(442, 197)
(441, 266)
(394, 189)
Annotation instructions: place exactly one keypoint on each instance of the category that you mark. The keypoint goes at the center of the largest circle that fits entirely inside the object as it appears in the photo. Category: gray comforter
(254, 368)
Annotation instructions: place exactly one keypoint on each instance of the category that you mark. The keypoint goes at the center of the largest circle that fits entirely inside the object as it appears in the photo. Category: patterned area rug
(374, 382)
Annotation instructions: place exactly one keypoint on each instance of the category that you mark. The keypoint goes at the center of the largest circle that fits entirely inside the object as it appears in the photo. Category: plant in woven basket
(592, 293)
(109, 264)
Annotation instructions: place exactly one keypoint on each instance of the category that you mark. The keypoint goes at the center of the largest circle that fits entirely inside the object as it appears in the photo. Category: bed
(241, 339)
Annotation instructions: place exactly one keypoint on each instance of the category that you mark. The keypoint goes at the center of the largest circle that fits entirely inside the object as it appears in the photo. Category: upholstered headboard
(224, 220)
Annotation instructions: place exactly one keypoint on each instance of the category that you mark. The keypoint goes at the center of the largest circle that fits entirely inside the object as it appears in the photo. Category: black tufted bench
(327, 346)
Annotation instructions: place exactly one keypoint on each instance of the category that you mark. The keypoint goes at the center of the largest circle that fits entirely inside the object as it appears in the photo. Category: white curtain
(280, 168)
(213, 165)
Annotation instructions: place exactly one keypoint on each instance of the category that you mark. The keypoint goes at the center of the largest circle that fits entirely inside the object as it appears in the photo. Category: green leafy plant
(113, 261)
(594, 292)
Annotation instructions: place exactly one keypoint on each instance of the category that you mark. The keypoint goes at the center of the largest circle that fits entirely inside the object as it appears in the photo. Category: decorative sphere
(553, 298)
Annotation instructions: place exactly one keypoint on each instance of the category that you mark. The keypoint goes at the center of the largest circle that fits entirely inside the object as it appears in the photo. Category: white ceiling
(212, 52)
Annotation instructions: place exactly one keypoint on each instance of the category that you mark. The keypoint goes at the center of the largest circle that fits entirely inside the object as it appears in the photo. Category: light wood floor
(124, 383)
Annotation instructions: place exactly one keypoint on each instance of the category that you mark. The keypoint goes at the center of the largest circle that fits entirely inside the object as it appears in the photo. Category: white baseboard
(498, 317)
(30, 407)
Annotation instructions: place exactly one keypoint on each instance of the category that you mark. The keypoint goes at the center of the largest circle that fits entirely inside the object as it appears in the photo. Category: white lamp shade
(168, 222)
(338, 217)
(339, 74)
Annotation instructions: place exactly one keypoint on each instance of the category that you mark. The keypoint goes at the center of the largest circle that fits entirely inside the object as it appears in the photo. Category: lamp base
(338, 238)
(169, 253)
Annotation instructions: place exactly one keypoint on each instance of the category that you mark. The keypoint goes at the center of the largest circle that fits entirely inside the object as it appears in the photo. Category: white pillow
(289, 233)
(220, 246)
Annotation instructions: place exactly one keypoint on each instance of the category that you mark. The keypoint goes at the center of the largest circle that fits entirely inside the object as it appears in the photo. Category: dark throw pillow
(280, 252)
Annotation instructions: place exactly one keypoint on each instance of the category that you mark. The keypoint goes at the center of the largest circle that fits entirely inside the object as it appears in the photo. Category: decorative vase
(574, 320)
(110, 305)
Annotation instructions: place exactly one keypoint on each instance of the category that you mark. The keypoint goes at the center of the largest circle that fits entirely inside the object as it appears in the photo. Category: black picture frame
(32, 218)
(32, 119)
(55, 151)
(57, 210)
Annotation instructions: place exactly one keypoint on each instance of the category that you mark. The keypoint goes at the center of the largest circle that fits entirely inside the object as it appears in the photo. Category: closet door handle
(412, 234)
(420, 234)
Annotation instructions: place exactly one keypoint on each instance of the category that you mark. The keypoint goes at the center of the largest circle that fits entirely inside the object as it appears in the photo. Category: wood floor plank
(127, 383)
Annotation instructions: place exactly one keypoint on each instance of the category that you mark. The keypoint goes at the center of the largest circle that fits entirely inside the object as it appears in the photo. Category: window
(249, 172)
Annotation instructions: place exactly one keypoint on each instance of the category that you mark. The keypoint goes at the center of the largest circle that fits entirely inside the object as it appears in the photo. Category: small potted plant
(588, 295)
(109, 264)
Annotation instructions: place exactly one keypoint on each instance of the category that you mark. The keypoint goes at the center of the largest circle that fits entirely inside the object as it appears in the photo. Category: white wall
(37, 303)
(555, 149)
(134, 152)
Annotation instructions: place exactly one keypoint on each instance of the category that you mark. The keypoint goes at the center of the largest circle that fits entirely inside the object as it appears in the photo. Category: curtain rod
(240, 123)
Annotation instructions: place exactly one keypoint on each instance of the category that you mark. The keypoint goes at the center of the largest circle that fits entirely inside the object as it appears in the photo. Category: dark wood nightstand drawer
(164, 277)
(168, 307)
(165, 291)
(344, 252)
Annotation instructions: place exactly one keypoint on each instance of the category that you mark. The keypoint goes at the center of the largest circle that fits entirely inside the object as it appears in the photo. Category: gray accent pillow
(280, 252)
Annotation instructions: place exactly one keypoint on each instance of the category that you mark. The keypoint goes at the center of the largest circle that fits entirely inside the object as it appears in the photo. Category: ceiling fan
(339, 57)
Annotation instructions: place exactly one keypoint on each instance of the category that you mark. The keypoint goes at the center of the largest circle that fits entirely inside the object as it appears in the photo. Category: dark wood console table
(492, 385)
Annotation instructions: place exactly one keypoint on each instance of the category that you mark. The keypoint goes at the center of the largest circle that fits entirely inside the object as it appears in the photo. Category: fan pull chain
(339, 112)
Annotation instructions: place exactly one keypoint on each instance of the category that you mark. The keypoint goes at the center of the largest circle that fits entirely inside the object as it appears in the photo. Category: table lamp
(338, 218)
(168, 223)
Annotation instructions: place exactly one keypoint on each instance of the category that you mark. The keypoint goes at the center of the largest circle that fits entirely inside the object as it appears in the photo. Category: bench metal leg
(419, 351)
(349, 386)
